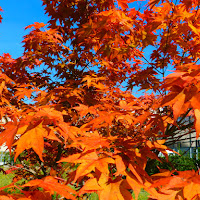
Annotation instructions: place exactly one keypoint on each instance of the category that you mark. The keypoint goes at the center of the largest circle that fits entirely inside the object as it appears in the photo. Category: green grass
(6, 179)
(142, 196)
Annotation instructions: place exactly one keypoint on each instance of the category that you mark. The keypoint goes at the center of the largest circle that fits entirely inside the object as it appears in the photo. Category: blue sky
(17, 14)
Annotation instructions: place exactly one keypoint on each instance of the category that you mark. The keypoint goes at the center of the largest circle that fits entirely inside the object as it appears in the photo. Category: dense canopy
(74, 118)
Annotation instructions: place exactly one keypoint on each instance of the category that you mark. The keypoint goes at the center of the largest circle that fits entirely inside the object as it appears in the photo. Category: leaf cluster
(70, 112)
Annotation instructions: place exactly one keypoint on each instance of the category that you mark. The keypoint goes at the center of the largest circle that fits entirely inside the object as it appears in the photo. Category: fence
(191, 152)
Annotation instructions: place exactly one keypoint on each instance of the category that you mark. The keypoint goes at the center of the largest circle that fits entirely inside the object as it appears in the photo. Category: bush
(180, 163)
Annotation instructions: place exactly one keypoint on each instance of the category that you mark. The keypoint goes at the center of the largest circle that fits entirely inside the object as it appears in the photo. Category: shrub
(179, 163)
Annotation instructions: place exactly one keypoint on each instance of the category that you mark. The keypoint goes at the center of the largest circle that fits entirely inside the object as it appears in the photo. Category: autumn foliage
(73, 118)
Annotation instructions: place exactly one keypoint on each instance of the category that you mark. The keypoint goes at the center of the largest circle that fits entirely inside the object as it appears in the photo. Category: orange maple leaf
(33, 138)
(51, 184)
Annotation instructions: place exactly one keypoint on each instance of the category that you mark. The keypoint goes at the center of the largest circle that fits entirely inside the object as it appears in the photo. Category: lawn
(6, 179)
(143, 195)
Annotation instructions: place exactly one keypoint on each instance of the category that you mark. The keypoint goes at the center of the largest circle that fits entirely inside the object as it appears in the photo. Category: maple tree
(84, 129)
